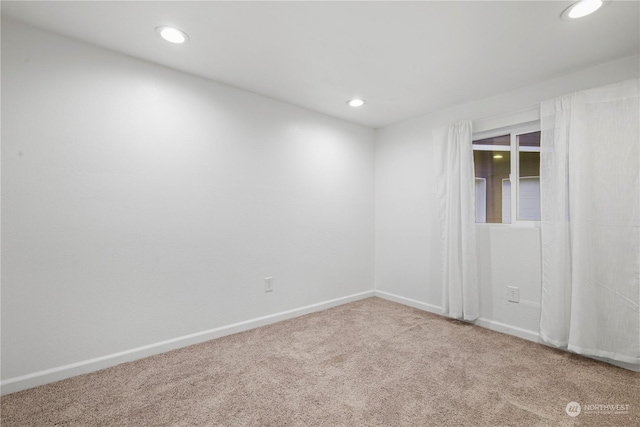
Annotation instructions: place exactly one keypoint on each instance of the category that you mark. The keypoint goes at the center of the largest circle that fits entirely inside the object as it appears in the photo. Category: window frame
(514, 174)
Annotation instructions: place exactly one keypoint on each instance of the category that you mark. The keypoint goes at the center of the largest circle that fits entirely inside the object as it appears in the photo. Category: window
(510, 156)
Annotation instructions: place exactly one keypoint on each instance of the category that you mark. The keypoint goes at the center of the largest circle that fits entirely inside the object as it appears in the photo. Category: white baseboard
(508, 329)
(35, 379)
(482, 322)
(410, 302)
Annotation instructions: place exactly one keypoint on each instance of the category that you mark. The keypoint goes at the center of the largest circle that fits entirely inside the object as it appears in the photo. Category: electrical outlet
(513, 294)
(268, 284)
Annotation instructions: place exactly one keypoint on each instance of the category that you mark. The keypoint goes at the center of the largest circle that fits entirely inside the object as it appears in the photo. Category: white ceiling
(405, 58)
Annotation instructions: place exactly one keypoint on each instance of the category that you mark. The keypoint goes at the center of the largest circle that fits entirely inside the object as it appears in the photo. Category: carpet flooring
(368, 363)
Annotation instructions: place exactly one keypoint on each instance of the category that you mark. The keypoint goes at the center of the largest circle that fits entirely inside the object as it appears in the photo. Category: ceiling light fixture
(498, 156)
(356, 102)
(581, 8)
(172, 34)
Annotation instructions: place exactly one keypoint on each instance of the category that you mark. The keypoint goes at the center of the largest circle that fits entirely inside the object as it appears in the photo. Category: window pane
(529, 164)
(492, 170)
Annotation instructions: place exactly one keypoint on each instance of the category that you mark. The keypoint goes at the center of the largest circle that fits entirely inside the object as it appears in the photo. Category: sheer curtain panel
(457, 219)
(590, 202)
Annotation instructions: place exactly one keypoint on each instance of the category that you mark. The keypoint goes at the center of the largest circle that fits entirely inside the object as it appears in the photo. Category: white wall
(408, 246)
(141, 204)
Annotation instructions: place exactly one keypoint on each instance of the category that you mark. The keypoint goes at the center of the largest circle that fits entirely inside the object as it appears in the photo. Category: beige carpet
(368, 363)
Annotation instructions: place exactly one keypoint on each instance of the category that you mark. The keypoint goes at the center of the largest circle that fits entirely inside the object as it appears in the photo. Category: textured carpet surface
(367, 363)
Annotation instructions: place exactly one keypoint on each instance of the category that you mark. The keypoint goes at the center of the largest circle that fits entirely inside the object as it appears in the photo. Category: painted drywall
(408, 246)
(141, 204)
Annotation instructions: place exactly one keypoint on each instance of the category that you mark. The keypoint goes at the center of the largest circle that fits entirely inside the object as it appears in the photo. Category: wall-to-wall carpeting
(371, 362)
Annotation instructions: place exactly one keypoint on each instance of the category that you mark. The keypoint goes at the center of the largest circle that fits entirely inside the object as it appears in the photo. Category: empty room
(322, 213)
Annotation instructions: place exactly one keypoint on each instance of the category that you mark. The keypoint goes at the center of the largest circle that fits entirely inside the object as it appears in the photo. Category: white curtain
(456, 184)
(590, 205)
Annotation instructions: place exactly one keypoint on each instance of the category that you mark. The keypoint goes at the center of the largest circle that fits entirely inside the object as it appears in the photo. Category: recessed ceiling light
(172, 34)
(581, 8)
(356, 102)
